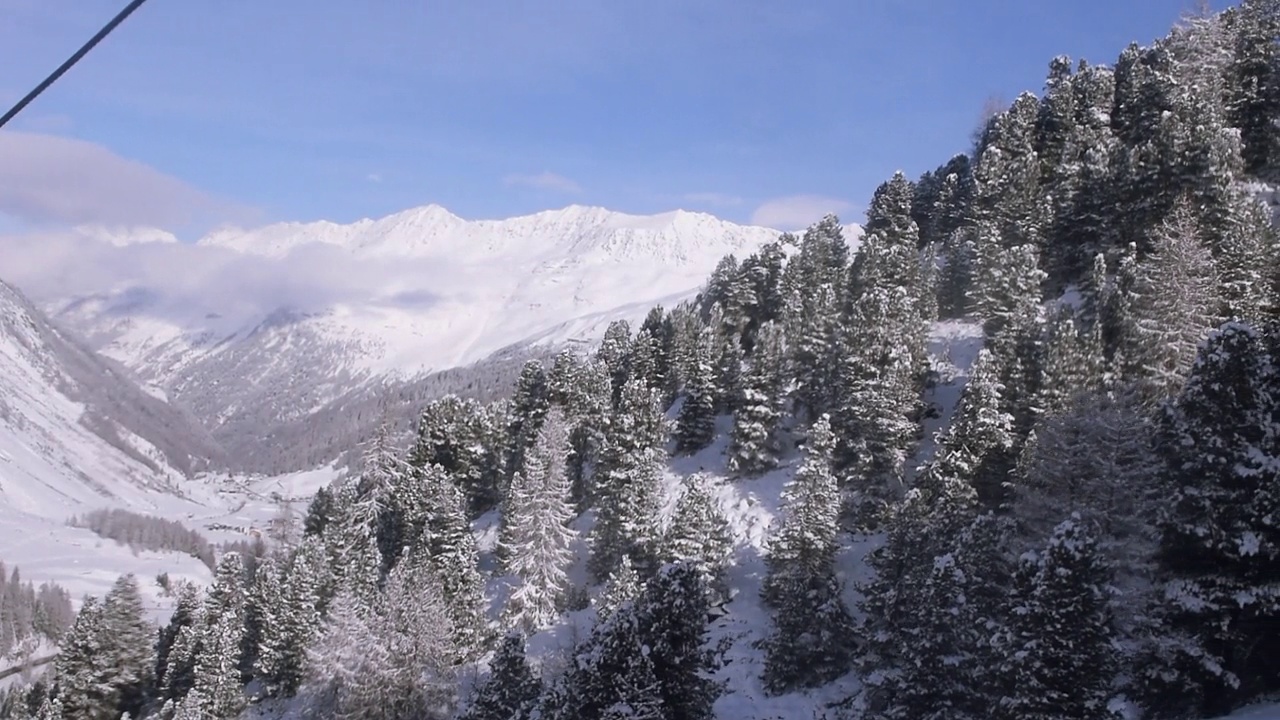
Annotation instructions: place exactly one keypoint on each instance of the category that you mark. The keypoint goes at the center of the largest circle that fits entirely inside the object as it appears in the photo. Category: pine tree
(1059, 594)
(811, 639)
(291, 617)
(529, 405)
(978, 446)
(629, 483)
(613, 352)
(450, 551)
(186, 613)
(1172, 311)
(127, 641)
(82, 667)
(403, 667)
(1219, 549)
(754, 445)
(920, 528)
(728, 369)
(695, 425)
(623, 586)
(217, 663)
(539, 539)
(699, 534)
(1253, 80)
(511, 691)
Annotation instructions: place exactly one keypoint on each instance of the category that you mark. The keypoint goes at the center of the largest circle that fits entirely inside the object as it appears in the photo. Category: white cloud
(544, 181)
(797, 212)
(188, 280)
(51, 179)
(373, 177)
(713, 198)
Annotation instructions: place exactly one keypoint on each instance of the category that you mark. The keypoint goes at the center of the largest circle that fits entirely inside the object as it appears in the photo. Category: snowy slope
(76, 432)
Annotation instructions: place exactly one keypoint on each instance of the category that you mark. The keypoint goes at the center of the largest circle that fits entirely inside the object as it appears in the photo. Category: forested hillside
(1094, 531)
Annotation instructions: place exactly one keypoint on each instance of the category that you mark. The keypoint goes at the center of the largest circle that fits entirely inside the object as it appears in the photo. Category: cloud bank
(797, 212)
(47, 179)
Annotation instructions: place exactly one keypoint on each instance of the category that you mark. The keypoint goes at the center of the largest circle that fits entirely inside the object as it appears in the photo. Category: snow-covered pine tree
(978, 446)
(673, 620)
(613, 353)
(391, 660)
(1220, 550)
(1095, 460)
(529, 405)
(876, 395)
(945, 663)
(1059, 593)
(699, 534)
(629, 481)
(217, 664)
(186, 613)
(920, 528)
(1175, 296)
(292, 620)
(622, 586)
(1072, 366)
(754, 444)
(82, 667)
(728, 365)
(811, 327)
(177, 675)
(511, 691)
(538, 538)
(127, 644)
(1253, 84)
(696, 423)
(812, 632)
(465, 439)
(449, 548)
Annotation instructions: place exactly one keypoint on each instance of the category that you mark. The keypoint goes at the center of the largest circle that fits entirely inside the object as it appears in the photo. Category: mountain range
(280, 340)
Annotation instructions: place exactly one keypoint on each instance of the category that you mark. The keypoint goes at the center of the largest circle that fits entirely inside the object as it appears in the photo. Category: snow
(464, 289)
(1256, 712)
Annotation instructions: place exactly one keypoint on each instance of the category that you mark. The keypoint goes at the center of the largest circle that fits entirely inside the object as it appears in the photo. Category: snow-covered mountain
(412, 293)
(75, 431)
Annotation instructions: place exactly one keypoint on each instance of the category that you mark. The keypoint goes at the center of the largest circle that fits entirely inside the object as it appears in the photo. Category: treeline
(30, 614)
(146, 532)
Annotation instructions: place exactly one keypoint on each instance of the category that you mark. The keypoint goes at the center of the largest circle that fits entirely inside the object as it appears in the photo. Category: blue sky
(260, 110)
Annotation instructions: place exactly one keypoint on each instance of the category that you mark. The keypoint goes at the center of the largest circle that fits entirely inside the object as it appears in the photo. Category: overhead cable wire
(75, 58)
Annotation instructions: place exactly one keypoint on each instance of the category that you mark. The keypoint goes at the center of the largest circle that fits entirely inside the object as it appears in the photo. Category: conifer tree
(449, 550)
(699, 534)
(1174, 297)
(127, 640)
(978, 446)
(217, 663)
(538, 537)
(810, 642)
(695, 425)
(1217, 541)
(728, 370)
(1059, 593)
(529, 406)
(186, 613)
(623, 586)
(613, 353)
(291, 621)
(511, 691)
(82, 667)
(629, 482)
(754, 444)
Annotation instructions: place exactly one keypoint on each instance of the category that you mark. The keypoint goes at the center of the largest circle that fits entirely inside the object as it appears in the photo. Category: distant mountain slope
(446, 293)
(75, 431)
